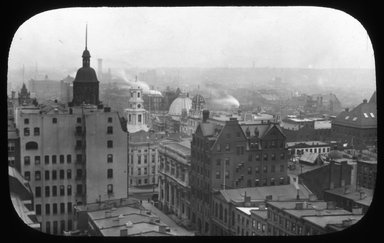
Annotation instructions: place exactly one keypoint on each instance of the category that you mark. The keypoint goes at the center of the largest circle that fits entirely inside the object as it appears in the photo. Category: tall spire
(86, 35)
(86, 55)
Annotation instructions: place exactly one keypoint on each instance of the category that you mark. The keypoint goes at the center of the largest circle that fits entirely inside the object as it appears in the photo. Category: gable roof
(308, 157)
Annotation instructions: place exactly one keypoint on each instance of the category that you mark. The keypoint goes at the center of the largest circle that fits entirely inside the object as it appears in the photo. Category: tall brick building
(233, 156)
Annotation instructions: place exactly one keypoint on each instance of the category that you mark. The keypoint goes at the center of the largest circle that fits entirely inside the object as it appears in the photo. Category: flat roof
(324, 220)
(308, 143)
(139, 219)
(281, 192)
(309, 212)
(354, 194)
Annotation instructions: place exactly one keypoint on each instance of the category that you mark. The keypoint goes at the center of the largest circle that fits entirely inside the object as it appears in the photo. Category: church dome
(179, 104)
(86, 74)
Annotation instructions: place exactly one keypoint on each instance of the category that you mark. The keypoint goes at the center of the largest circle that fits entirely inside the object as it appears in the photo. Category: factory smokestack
(100, 68)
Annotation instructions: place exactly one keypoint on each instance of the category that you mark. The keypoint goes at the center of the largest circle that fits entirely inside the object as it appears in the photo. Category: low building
(125, 217)
(321, 177)
(316, 147)
(306, 129)
(175, 162)
(226, 215)
(350, 198)
(299, 217)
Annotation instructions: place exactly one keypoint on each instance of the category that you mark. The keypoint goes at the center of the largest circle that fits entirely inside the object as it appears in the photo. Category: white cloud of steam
(227, 101)
(131, 81)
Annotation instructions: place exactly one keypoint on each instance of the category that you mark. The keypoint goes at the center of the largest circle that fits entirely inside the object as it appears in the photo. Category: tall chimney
(205, 115)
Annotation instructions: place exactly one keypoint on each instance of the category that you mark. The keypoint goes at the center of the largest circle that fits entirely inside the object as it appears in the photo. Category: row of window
(36, 131)
(54, 207)
(53, 159)
(143, 182)
(145, 171)
(54, 120)
(53, 175)
(79, 190)
(55, 192)
(315, 150)
(145, 159)
(55, 227)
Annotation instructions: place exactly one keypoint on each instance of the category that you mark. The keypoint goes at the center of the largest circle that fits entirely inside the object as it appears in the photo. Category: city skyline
(282, 37)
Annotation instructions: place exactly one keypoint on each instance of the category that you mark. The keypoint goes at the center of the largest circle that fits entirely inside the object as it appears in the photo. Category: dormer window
(347, 117)
(138, 94)
(366, 115)
(372, 115)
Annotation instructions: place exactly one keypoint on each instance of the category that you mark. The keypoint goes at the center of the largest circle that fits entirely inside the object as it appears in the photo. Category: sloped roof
(309, 157)
(373, 98)
(362, 116)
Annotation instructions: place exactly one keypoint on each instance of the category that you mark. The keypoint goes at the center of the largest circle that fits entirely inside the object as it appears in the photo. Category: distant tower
(86, 85)
(136, 114)
(100, 68)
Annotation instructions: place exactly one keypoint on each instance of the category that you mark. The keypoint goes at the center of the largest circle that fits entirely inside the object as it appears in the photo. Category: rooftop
(324, 220)
(362, 116)
(307, 143)
(247, 210)
(260, 213)
(362, 196)
(280, 192)
(136, 221)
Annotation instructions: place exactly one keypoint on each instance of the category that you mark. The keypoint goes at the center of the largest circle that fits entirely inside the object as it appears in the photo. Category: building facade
(366, 173)
(317, 147)
(233, 156)
(175, 162)
(72, 155)
(143, 159)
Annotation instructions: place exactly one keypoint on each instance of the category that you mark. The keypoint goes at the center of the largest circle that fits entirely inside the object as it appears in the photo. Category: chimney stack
(205, 115)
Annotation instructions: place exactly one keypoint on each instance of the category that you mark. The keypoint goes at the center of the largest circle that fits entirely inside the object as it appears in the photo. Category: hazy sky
(193, 37)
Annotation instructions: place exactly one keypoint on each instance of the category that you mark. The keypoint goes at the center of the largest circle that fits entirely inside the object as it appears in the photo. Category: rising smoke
(132, 82)
(219, 97)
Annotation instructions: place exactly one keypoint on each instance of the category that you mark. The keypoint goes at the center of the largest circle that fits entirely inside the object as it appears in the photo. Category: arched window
(31, 145)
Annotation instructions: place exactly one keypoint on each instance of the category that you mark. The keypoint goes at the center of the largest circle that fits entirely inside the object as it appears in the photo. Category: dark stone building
(357, 127)
(233, 156)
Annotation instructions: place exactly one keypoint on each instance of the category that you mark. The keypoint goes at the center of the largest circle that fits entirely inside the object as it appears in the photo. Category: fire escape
(80, 135)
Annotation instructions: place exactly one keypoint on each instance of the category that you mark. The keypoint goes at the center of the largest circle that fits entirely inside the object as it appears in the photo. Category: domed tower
(86, 85)
(136, 114)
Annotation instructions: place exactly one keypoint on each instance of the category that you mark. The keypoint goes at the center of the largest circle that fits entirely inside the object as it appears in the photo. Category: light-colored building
(72, 155)
(135, 113)
(316, 147)
(143, 158)
(175, 162)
